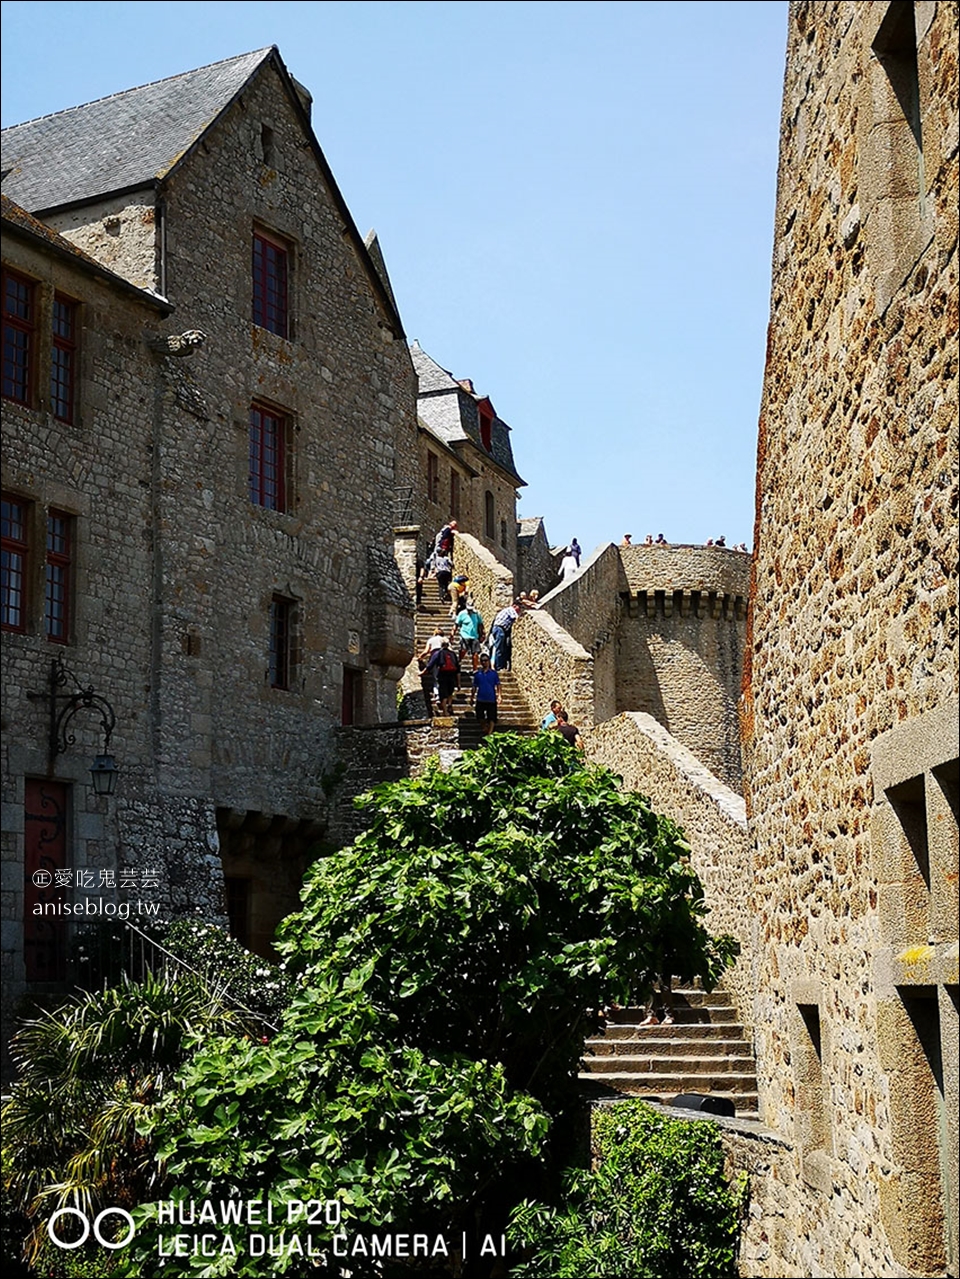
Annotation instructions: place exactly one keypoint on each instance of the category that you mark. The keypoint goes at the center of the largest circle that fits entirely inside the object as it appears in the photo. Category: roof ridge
(147, 84)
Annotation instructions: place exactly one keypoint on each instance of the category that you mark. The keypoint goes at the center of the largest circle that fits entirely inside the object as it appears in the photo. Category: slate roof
(441, 403)
(528, 526)
(120, 142)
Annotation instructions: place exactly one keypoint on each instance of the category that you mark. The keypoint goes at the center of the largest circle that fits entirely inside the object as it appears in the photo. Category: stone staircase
(514, 715)
(704, 1051)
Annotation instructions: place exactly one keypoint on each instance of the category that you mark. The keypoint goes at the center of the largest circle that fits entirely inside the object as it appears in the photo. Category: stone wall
(548, 663)
(99, 471)
(491, 582)
(713, 818)
(852, 658)
(477, 476)
(680, 646)
(176, 568)
(587, 607)
(537, 566)
(121, 232)
(379, 753)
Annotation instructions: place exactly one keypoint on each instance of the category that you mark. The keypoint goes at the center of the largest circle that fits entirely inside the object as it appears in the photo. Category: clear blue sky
(575, 201)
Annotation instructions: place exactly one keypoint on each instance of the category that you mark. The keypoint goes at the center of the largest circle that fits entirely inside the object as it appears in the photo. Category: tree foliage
(444, 962)
(441, 967)
(657, 1204)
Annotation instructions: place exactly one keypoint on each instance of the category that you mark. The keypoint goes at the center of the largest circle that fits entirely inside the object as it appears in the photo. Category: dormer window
(486, 425)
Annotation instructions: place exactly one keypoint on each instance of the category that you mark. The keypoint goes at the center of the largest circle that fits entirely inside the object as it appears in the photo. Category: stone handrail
(712, 816)
(491, 583)
(548, 663)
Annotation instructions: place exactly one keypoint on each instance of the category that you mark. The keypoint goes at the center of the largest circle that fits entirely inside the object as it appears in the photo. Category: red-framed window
(485, 411)
(63, 359)
(14, 558)
(46, 851)
(433, 477)
(58, 571)
(268, 458)
(281, 642)
(19, 322)
(270, 284)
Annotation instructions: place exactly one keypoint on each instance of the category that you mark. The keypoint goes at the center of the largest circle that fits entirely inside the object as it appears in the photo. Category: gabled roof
(16, 220)
(121, 142)
(442, 408)
(133, 140)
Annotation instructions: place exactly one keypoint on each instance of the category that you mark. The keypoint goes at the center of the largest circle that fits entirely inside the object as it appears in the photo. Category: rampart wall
(713, 818)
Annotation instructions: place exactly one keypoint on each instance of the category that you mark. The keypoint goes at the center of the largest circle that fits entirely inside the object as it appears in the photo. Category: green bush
(427, 1064)
(656, 1205)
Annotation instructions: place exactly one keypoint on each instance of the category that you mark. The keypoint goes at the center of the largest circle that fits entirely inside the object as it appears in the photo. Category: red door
(44, 927)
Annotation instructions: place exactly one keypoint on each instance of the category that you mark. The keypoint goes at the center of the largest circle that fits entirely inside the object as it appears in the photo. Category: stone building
(466, 466)
(851, 707)
(227, 496)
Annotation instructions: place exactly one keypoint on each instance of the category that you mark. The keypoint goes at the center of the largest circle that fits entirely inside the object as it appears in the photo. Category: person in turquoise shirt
(469, 625)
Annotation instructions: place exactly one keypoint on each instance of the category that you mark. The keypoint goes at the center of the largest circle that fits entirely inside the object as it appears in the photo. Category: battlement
(698, 604)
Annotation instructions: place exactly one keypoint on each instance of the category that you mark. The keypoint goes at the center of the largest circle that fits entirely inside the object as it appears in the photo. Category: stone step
(662, 1047)
(665, 1082)
(694, 1031)
(669, 1065)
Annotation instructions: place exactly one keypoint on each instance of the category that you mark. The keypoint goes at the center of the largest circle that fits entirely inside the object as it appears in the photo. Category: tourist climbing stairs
(704, 1051)
(513, 716)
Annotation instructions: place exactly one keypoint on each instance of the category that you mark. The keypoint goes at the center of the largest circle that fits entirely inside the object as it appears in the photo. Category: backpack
(448, 661)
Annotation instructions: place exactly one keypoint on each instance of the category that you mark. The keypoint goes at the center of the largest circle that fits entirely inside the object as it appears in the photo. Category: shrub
(656, 1205)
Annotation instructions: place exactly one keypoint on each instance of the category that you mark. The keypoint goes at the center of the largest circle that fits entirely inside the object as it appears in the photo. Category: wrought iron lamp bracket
(62, 736)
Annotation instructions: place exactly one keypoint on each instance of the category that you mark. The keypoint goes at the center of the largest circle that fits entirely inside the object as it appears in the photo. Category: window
(281, 642)
(489, 515)
(19, 318)
(433, 477)
(915, 774)
(56, 585)
(13, 579)
(454, 494)
(503, 532)
(268, 439)
(486, 425)
(351, 706)
(267, 152)
(63, 358)
(270, 271)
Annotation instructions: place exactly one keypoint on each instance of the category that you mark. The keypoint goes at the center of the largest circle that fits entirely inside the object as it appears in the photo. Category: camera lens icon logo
(42, 878)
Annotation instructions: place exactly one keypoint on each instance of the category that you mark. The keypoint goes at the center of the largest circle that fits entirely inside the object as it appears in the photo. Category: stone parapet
(548, 663)
(704, 569)
(587, 607)
(491, 583)
(712, 816)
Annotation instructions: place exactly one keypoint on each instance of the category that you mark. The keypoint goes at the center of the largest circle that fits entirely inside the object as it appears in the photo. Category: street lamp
(103, 770)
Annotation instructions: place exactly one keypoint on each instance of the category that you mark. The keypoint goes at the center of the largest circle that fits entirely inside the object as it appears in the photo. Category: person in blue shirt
(550, 719)
(485, 694)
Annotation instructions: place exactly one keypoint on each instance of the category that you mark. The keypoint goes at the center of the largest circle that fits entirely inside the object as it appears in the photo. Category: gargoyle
(177, 343)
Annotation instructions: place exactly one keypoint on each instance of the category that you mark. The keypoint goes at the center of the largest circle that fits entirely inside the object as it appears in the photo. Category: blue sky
(575, 202)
